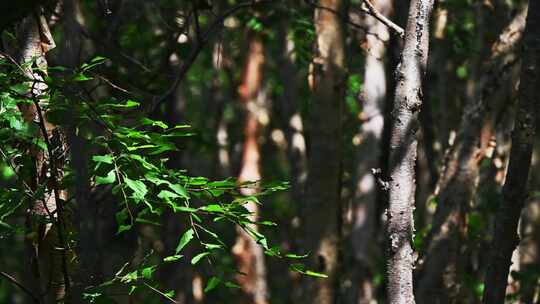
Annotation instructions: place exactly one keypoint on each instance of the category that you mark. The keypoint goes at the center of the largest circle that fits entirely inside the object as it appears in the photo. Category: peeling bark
(48, 253)
(250, 255)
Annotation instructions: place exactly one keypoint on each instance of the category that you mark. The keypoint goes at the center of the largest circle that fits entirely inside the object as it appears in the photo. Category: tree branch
(201, 43)
(14, 281)
(372, 11)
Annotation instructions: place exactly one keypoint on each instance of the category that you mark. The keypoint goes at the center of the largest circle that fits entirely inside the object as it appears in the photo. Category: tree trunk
(403, 145)
(322, 210)
(249, 255)
(505, 237)
(372, 100)
(458, 182)
(70, 52)
(48, 251)
(290, 116)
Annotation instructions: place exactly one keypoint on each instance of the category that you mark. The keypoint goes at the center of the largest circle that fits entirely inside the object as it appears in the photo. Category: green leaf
(132, 289)
(109, 179)
(184, 240)
(20, 88)
(296, 256)
(123, 228)
(154, 179)
(41, 144)
(133, 148)
(170, 294)
(152, 210)
(273, 252)
(148, 272)
(138, 187)
(165, 194)
(212, 283)
(461, 72)
(213, 208)
(298, 267)
(172, 258)
(198, 181)
(15, 123)
(211, 246)
(315, 274)
(198, 257)
(103, 159)
(231, 285)
(267, 223)
(180, 190)
(185, 209)
(81, 77)
(130, 277)
(154, 123)
(228, 183)
(94, 62)
(128, 104)
(255, 25)
(143, 162)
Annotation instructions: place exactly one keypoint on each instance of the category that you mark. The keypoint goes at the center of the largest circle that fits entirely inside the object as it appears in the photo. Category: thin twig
(16, 172)
(218, 22)
(113, 85)
(371, 10)
(21, 286)
(59, 206)
(161, 293)
(118, 174)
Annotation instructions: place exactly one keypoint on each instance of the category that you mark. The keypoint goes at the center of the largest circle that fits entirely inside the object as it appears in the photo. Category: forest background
(269, 151)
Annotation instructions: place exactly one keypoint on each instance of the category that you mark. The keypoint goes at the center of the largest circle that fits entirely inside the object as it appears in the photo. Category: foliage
(129, 159)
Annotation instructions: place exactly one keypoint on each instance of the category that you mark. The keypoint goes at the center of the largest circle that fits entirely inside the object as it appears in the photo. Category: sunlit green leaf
(109, 179)
(198, 257)
(164, 194)
(172, 258)
(148, 272)
(138, 187)
(184, 240)
(179, 190)
(296, 256)
(130, 277)
(103, 159)
(213, 208)
(315, 274)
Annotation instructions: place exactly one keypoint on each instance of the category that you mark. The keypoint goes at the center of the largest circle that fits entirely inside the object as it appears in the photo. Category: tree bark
(249, 255)
(372, 100)
(48, 251)
(85, 219)
(458, 181)
(403, 145)
(505, 237)
(322, 210)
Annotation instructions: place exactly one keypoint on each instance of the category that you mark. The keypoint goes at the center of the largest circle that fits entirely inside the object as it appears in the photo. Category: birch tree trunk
(47, 250)
(322, 210)
(403, 145)
(505, 237)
